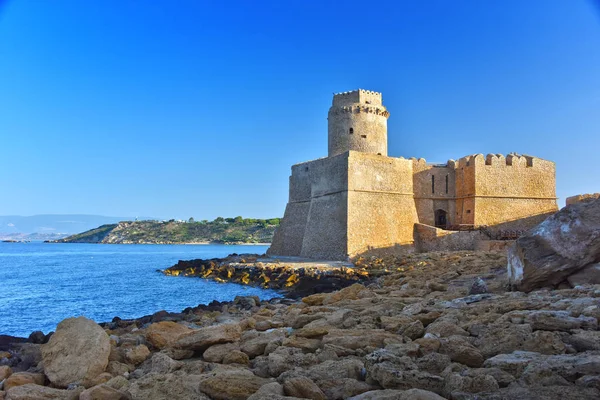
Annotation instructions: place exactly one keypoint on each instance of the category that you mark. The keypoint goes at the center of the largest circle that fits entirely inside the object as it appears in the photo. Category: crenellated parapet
(357, 96)
(499, 160)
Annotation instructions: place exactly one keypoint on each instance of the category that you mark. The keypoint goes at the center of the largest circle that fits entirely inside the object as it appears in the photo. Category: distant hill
(221, 230)
(65, 224)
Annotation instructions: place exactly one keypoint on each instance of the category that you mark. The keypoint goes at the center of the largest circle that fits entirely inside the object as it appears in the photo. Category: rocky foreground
(437, 325)
(422, 327)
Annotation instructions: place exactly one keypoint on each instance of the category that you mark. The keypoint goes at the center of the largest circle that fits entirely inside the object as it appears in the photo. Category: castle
(357, 200)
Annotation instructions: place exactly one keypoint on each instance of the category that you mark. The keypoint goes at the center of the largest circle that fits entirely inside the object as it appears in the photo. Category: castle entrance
(440, 219)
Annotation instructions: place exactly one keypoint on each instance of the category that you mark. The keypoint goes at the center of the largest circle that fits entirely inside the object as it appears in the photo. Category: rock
(393, 372)
(77, 352)
(236, 357)
(104, 392)
(36, 392)
(246, 302)
(460, 383)
(461, 351)
(545, 342)
(584, 340)
(413, 331)
(217, 352)
(165, 334)
(37, 337)
(178, 354)
(555, 249)
(116, 368)
(478, 287)
(306, 344)
(445, 329)
(284, 359)
(304, 388)
(269, 391)
(358, 338)
(167, 387)
(548, 320)
(352, 292)
(23, 378)
(590, 381)
(396, 322)
(589, 275)
(514, 363)
(5, 372)
(428, 345)
(502, 338)
(582, 197)
(389, 394)
(434, 363)
(502, 378)
(253, 343)
(315, 299)
(160, 363)
(231, 384)
(137, 355)
(201, 339)
(29, 354)
(118, 382)
(516, 392)
(100, 379)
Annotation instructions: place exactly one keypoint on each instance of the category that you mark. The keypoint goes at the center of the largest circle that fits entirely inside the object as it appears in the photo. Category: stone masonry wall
(381, 208)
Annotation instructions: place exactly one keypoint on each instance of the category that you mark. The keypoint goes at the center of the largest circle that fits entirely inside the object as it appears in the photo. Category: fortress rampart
(358, 200)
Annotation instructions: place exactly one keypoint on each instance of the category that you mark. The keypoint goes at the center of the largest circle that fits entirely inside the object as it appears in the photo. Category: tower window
(446, 184)
(363, 136)
(432, 184)
(351, 131)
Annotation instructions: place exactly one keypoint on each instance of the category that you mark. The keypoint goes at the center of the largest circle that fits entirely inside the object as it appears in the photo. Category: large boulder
(560, 246)
(77, 352)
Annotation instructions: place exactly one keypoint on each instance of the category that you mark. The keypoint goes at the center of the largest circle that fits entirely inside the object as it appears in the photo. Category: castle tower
(357, 121)
(356, 201)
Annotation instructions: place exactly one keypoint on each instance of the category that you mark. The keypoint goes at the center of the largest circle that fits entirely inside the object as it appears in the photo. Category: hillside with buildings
(221, 230)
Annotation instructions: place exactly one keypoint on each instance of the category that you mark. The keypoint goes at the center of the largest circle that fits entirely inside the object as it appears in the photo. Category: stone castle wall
(381, 208)
(359, 201)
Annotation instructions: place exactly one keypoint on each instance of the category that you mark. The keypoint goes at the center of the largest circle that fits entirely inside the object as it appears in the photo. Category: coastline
(174, 243)
(426, 326)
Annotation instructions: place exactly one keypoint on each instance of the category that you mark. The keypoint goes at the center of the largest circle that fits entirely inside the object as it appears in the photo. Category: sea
(43, 283)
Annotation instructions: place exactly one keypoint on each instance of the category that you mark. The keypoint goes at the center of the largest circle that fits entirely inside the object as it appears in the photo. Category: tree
(191, 220)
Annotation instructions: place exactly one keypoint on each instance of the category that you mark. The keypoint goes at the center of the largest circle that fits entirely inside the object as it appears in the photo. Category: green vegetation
(221, 230)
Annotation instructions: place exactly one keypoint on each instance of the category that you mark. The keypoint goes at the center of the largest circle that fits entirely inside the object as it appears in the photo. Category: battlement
(511, 160)
(357, 96)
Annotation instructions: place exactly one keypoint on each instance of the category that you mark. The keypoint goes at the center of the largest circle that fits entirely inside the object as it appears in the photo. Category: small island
(221, 230)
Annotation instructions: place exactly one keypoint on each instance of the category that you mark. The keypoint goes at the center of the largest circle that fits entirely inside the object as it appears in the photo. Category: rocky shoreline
(292, 278)
(420, 327)
(429, 326)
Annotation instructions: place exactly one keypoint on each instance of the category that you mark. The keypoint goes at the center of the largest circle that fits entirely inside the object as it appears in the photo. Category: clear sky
(199, 108)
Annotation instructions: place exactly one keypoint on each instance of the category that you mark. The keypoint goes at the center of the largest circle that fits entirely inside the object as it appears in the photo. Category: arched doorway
(440, 219)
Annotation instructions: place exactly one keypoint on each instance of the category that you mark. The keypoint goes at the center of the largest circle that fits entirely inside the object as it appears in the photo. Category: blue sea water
(43, 283)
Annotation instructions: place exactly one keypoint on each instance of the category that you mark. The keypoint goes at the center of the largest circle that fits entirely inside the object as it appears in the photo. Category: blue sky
(199, 108)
